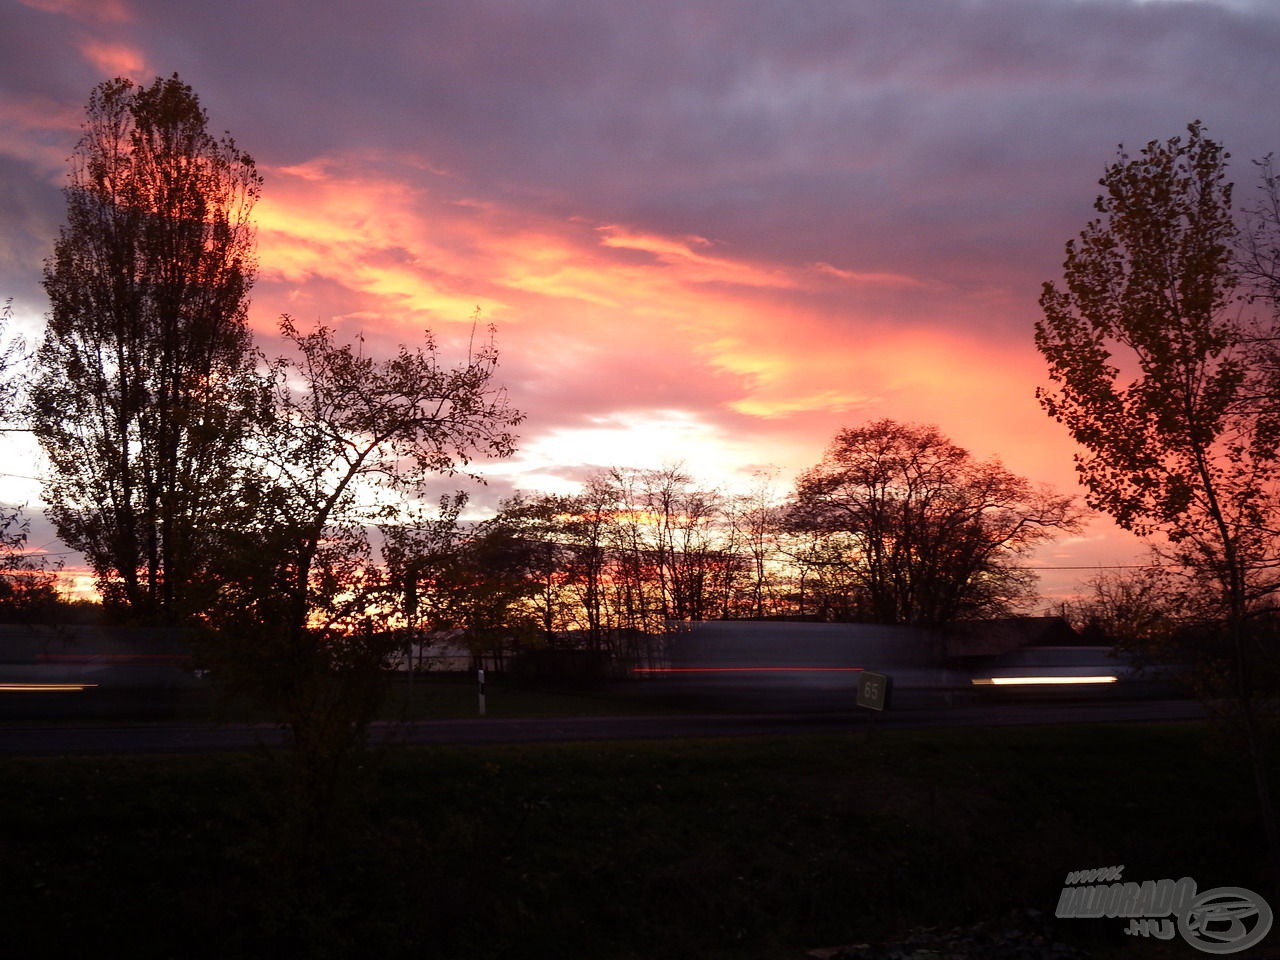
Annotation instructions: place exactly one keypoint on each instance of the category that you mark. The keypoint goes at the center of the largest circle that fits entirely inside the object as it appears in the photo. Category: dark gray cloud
(881, 129)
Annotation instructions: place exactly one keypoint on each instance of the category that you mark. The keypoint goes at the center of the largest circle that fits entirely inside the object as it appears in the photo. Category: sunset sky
(708, 232)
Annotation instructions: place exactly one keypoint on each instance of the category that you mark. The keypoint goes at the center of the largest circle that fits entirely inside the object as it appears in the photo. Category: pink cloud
(116, 11)
(35, 130)
(114, 59)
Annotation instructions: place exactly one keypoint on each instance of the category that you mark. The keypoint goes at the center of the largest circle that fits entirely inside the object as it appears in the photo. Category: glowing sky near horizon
(708, 232)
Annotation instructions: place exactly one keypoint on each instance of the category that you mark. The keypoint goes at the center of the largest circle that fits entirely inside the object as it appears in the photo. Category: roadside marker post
(874, 690)
(480, 680)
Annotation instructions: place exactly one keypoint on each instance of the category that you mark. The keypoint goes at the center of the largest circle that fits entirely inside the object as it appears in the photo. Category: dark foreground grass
(725, 848)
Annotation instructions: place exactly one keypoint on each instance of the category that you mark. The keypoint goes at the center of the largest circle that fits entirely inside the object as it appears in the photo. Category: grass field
(750, 848)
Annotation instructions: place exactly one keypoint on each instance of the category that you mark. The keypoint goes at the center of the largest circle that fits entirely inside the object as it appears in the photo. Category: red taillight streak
(746, 669)
(122, 658)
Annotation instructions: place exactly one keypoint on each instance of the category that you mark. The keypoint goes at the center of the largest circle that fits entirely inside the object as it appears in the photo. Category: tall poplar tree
(143, 384)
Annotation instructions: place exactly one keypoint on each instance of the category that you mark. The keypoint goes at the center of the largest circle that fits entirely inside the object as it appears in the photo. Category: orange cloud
(368, 234)
(830, 400)
(425, 255)
(686, 351)
(413, 255)
(695, 267)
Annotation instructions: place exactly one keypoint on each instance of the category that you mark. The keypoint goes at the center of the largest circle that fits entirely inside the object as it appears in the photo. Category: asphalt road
(48, 740)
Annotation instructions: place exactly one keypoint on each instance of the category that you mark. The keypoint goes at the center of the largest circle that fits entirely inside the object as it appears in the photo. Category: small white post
(480, 678)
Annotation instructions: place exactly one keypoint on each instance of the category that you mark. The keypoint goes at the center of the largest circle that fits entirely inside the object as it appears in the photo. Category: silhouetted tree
(1160, 374)
(485, 590)
(929, 533)
(825, 583)
(757, 519)
(1155, 371)
(306, 606)
(27, 584)
(537, 529)
(584, 529)
(1258, 245)
(139, 397)
(415, 546)
(1140, 611)
(670, 540)
(13, 354)
(480, 580)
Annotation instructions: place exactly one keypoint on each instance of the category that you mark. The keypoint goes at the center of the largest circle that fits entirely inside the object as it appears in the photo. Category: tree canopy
(929, 534)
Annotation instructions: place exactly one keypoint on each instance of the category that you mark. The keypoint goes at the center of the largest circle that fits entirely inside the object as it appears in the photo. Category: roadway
(142, 738)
